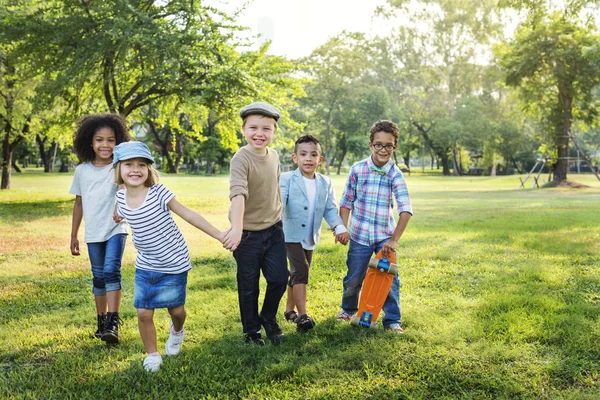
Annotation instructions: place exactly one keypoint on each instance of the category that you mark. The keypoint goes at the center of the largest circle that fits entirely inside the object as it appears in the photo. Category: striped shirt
(156, 237)
(368, 194)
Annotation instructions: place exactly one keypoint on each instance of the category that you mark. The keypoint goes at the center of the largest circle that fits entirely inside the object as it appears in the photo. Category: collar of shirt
(385, 169)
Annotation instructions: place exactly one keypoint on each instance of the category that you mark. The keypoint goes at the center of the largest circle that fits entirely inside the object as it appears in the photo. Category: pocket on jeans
(245, 235)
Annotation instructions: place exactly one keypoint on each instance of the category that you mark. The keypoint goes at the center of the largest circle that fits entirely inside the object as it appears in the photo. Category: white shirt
(97, 188)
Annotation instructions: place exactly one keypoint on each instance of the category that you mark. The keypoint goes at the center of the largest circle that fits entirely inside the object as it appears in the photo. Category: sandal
(305, 323)
(291, 316)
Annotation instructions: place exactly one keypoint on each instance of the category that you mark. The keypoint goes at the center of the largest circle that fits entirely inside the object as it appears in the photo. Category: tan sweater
(257, 179)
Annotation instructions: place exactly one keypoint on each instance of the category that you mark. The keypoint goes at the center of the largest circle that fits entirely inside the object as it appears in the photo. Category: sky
(299, 26)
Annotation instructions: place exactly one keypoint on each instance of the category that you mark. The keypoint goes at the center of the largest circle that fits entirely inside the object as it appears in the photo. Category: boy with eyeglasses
(371, 185)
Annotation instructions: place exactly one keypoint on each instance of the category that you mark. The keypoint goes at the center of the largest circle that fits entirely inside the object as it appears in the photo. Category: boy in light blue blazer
(307, 198)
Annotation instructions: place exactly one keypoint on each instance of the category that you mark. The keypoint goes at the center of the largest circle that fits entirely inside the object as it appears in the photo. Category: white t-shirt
(308, 242)
(159, 242)
(97, 188)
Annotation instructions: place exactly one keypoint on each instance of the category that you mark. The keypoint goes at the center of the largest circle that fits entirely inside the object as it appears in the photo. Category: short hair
(88, 125)
(262, 115)
(152, 174)
(306, 139)
(384, 125)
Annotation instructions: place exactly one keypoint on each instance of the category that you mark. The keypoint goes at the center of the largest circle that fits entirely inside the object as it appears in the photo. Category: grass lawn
(500, 299)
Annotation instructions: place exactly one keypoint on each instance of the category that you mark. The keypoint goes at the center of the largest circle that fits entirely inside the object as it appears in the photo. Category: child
(368, 193)
(256, 235)
(307, 198)
(94, 189)
(163, 261)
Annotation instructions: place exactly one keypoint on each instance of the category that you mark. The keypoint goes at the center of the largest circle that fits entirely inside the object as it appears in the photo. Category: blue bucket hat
(129, 150)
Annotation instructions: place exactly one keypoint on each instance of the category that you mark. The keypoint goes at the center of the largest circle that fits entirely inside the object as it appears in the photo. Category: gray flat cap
(261, 109)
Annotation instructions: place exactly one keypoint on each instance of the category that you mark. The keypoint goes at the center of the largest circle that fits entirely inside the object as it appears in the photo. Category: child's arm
(77, 218)
(195, 219)
(116, 217)
(333, 218)
(234, 236)
(391, 244)
(405, 209)
(343, 237)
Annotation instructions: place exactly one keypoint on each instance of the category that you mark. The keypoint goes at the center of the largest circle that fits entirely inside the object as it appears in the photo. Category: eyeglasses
(387, 147)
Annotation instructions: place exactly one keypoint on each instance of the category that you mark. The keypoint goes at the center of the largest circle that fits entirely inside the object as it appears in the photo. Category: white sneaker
(173, 345)
(152, 363)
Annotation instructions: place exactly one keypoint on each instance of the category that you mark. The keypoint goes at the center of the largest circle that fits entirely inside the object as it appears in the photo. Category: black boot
(101, 323)
(111, 328)
(272, 330)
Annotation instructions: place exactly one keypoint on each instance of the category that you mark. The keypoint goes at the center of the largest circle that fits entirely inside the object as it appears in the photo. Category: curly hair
(384, 126)
(90, 124)
(306, 139)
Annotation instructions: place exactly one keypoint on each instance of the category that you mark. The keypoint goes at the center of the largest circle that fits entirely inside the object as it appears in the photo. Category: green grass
(500, 299)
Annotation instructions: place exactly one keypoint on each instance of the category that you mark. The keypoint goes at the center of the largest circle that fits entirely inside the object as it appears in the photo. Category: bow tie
(378, 170)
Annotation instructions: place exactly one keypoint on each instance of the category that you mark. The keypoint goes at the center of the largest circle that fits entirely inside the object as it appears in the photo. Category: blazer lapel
(320, 192)
(300, 182)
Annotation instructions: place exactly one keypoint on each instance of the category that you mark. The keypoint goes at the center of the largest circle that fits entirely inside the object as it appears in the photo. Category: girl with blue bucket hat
(163, 260)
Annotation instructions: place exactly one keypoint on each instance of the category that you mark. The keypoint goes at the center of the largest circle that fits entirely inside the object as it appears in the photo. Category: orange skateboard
(375, 289)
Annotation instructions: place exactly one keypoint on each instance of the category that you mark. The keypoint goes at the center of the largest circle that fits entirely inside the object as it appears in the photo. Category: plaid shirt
(368, 194)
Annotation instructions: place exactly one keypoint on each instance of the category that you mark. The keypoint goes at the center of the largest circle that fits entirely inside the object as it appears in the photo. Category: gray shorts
(299, 263)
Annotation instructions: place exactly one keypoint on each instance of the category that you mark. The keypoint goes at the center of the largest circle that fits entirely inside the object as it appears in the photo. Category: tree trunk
(7, 152)
(445, 163)
(514, 163)
(441, 153)
(45, 155)
(562, 141)
(456, 168)
(6, 162)
(15, 166)
(342, 157)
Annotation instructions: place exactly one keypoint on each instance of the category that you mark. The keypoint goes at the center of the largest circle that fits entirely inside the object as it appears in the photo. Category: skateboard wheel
(393, 269)
(354, 320)
(373, 262)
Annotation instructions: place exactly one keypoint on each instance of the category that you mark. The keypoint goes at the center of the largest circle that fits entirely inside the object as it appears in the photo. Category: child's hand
(75, 246)
(388, 247)
(342, 238)
(116, 217)
(232, 239)
(221, 236)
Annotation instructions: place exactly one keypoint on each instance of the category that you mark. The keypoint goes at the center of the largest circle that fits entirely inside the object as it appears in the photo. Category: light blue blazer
(295, 206)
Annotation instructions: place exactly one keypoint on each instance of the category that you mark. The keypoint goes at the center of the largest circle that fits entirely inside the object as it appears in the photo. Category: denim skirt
(159, 290)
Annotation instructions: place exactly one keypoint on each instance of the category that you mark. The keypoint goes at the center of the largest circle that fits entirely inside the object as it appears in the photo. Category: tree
(439, 48)
(554, 63)
(334, 69)
(17, 85)
(130, 53)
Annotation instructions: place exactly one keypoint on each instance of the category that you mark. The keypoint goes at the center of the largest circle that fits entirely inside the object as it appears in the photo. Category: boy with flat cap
(256, 235)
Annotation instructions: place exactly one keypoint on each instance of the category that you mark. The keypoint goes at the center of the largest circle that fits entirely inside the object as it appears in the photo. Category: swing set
(541, 162)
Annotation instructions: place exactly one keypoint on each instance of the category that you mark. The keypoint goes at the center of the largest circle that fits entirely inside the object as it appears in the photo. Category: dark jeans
(260, 250)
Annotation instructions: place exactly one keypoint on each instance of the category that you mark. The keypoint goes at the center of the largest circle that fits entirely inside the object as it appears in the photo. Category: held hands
(222, 235)
(342, 238)
(75, 246)
(116, 217)
(231, 239)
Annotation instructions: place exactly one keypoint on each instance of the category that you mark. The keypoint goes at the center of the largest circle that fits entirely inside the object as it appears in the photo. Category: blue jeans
(260, 251)
(105, 258)
(357, 262)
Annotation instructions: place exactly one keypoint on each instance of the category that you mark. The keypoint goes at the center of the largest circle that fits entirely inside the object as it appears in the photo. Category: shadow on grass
(558, 320)
(25, 211)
